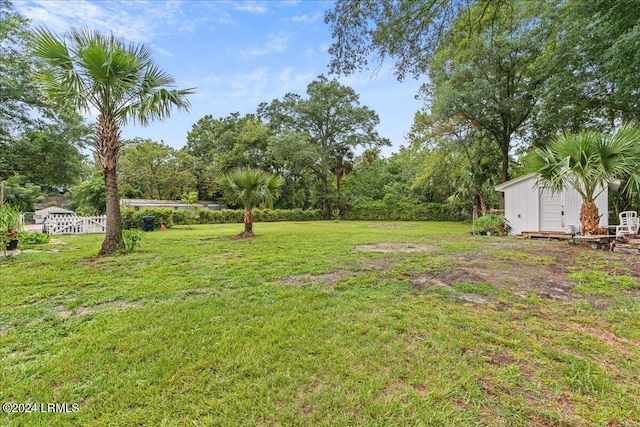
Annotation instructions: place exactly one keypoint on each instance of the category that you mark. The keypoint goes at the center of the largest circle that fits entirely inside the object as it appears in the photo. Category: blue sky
(235, 53)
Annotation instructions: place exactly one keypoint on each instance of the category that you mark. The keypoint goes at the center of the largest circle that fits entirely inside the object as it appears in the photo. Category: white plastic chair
(629, 224)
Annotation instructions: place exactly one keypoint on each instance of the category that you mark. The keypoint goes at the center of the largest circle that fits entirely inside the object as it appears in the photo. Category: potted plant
(9, 227)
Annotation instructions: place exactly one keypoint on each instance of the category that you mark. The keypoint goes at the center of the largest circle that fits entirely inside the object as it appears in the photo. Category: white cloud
(225, 18)
(134, 20)
(274, 44)
(163, 52)
(243, 92)
(250, 6)
(290, 81)
(307, 19)
(256, 77)
(212, 79)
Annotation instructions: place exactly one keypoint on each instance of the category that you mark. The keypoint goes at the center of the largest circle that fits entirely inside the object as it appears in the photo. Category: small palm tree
(250, 188)
(588, 162)
(96, 73)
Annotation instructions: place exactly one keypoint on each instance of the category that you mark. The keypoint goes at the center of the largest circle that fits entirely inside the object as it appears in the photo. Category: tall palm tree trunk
(248, 223)
(589, 217)
(113, 233)
(107, 143)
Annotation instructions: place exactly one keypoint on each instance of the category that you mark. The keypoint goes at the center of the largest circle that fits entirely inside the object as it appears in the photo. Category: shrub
(405, 209)
(132, 219)
(132, 239)
(33, 238)
(494, 224)
(9, 224)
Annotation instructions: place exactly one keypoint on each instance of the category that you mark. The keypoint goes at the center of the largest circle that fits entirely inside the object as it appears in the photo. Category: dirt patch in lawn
(523, 268)
(83, 311)
(330, 279)
(326, 279)
(521, 279)
(396, 247)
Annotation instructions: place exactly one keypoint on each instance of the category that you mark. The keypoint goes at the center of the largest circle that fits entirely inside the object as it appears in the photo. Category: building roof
(505, 185)
(163, 203)
(53, 209)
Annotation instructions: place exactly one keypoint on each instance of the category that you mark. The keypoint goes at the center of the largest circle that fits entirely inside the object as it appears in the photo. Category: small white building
(531, 207)
(40, 214)
(140, 204)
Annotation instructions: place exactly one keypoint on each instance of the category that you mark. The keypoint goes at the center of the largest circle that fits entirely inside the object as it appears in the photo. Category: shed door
(551, 211)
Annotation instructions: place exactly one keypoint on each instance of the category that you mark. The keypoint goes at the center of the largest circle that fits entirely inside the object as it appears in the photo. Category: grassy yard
(323, 323)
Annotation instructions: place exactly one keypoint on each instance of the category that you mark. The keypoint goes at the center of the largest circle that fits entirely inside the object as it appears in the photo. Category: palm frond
(250, 187)
(58, 74)
(120, 80)
(589, 161)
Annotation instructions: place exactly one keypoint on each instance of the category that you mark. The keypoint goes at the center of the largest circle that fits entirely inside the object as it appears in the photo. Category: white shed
(531, 207)
(41, 213)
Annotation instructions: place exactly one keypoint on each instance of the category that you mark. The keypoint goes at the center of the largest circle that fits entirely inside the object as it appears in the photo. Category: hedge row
(363, 210)
(405, 211)
(170, 217)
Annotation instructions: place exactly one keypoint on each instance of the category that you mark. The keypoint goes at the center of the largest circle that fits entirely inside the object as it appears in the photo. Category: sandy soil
(521, 266)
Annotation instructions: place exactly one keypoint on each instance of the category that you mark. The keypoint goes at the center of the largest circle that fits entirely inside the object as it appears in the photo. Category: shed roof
(53, 209)
(145, 203)
(505, 185)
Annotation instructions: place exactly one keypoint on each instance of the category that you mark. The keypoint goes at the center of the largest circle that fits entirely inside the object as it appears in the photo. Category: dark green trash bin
(147, 223)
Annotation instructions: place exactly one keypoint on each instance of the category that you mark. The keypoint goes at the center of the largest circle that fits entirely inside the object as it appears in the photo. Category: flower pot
(12, 245)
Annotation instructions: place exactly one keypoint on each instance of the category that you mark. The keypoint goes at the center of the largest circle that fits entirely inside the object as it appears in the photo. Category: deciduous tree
(230, 142)
(491, 75)
(319, 133)
(366, 32)
(38, 140)
(155, 170)
(595, 66)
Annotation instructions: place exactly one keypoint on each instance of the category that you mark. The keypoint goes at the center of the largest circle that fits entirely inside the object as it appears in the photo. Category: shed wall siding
(574, 203)
(602, 201)
(522, 206)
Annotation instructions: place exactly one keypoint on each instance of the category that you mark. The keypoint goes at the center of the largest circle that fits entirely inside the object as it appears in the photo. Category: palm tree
(588, 162)
(97, 73)
(250, 188)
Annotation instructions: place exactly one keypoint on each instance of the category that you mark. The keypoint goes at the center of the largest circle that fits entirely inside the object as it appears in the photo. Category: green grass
(478, 288)
(596, 275)
(295, 327)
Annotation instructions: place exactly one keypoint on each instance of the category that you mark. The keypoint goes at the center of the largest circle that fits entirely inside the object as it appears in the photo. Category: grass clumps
(319, 323)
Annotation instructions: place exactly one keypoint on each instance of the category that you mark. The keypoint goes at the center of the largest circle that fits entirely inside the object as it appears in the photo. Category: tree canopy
(40, 143)
(153, 170)
(408, 32)
(489, 71)
(319, 133)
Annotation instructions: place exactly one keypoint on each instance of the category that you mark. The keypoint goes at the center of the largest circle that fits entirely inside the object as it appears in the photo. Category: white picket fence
(70, 224)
